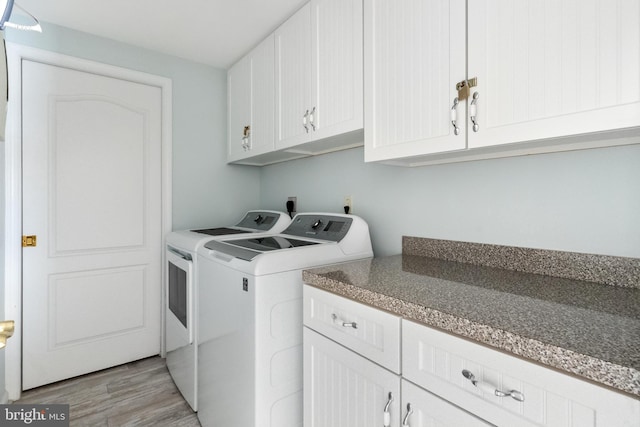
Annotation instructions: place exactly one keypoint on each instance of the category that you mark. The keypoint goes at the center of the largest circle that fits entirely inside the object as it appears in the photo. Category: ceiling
(213, 32)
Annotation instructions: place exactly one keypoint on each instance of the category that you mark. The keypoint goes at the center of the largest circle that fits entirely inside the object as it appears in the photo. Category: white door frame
(13, 182)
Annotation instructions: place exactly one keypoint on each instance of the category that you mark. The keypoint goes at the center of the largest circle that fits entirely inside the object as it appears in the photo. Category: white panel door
(343, 389)
(336, 67)
(553, 68)
(414, 53)
(293, 80)
(92, 195)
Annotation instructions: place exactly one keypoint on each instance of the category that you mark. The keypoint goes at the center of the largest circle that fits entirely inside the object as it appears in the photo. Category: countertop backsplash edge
(603, 269)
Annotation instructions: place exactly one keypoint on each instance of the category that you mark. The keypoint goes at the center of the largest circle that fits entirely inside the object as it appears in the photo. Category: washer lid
(248, 249)
(220, 231)
(270, 243)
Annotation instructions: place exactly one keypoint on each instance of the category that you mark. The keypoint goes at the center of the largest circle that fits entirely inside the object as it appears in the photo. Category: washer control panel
(320, 226)
(260, 220)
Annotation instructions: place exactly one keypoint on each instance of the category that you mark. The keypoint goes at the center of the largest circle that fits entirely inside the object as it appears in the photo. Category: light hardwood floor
(140, 393)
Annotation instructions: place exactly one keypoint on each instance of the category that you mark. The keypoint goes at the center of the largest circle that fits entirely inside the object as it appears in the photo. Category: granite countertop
(590, 330)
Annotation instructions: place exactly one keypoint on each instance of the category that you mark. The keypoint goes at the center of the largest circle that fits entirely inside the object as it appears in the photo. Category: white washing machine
(181, 292)
(250, 317)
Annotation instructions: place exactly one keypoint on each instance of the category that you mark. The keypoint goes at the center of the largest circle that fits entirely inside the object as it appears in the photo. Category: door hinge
(464, 88)
(28, 241)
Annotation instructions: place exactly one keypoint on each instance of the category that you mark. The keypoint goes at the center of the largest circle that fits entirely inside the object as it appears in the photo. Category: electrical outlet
(348, 201)
(295, 204)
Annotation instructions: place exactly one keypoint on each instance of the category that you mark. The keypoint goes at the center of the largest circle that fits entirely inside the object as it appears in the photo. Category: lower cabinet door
(343, 389)
(423, 409)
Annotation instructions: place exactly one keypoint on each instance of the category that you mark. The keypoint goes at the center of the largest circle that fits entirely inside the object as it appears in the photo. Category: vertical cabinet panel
(553, 68)
(337, 66)
(343, 389)
(263, 97)
(293, 79)
(239, 106)
(415, 52)
(251, 102)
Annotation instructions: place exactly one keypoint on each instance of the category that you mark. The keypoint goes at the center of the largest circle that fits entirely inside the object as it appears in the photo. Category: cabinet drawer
(370, 332)
(436, 360)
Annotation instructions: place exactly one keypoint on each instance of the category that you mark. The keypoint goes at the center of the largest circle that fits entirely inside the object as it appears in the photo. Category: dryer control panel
(320, 226)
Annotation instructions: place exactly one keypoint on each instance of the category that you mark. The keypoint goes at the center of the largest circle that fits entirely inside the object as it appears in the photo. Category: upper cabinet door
(239, 106)
(263, 97)
(553, 68)
(336, 31)
(293, 80)
(415, 52)
(251, 98)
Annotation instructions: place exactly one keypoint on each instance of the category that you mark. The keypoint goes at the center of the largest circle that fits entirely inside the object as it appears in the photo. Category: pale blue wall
(205, 190)
(581, 201)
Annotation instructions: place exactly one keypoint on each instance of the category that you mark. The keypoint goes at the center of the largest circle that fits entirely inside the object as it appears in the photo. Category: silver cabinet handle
(405, 420)
(387, 415)
(454, 116)
(353, 325)
(305, 120)
(491, 389)
(473, 111)
(312, 118)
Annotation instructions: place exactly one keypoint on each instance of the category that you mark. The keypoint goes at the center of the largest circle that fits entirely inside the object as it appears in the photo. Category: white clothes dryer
(250, 317)
(181, 293)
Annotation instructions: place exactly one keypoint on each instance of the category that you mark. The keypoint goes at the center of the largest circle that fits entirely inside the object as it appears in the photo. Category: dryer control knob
(317, 224)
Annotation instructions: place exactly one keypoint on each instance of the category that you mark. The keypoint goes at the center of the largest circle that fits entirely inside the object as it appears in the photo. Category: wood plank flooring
(140, 393)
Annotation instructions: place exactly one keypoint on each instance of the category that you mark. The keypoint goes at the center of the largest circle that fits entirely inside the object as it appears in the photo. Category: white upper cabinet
(553, 68)
(251, 95)
(548, 72)
(293, 79)
(415, 52)
(319, 90)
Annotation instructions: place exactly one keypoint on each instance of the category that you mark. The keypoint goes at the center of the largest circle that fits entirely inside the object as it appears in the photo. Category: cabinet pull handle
(305, 120)
(491, 389)
(405, 420)
(454, 116)
(387, 414)
(473, 111)
(353, 325)
(312, 118)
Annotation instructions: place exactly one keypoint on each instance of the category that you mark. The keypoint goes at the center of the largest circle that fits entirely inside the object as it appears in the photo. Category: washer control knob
(317, 224)
(258, 219)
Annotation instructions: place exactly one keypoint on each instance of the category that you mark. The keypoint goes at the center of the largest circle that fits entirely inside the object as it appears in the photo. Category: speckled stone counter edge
(608, 270)
(615, 376)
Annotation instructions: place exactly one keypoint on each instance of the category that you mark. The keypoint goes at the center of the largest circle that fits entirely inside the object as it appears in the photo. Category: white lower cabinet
(343, 389)
(352, 378)
(352, 370)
